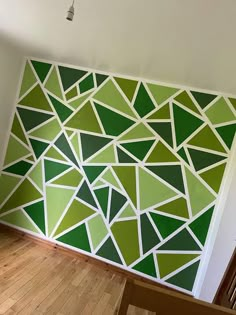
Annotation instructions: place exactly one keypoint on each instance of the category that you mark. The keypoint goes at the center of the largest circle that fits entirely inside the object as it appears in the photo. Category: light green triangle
(109, 95)
(98, 184)
(199, 195)
(127, 212)
(109, 178)
(15, 151)
(207, 139)
(54, 154)
(37, 175)
(53, 85)
(28, 79)
(7, 184)
(161, 93)
(162, 113)
(69, 132)
(152, 191)
(220, 112)
(75, 143)
(19, 219)
(168, 263)
(138, 132)
(79, 101)
(71, 178)
(106, 156)
(161, 153)
(48, 131)
(57, 199)
(76, 213)
(97, 230)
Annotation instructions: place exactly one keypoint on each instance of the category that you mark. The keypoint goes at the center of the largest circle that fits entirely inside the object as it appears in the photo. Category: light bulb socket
(70, 13)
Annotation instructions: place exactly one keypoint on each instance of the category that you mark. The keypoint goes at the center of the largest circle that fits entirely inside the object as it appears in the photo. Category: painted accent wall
(125, 170)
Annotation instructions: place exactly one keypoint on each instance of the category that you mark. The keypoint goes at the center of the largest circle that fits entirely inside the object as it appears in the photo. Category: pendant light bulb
(71, 12)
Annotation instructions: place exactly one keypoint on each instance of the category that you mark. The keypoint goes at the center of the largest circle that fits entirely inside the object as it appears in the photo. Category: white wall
(10, 66)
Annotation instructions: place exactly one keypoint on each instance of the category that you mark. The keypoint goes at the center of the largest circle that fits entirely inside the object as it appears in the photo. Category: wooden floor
(36, 279)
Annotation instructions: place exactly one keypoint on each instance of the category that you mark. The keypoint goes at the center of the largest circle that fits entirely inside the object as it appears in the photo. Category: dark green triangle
(69, 76)
(52, 169)
(189, 121)
(149, 236)
(36, 212)
(87, 84)
(77, 238)
(185, 278)
(38, 147)
(117, 202)
(203, 159)
(163, 129)
(183, 154)
(85, 194)
(20, 168)
(200, 226)
(93, 172)
(32, 118)
(107, 116)
(109, 251)
(171, 174)
(147, 266)
(100, 78)
(102, 197)
(124, 157)
(166, 225)
(41, 68)
(203, 99)
(91, 144)
(181, 241)
(143, 103)
(139, 149)
(63, 145)
(63, 111)
(227, 133)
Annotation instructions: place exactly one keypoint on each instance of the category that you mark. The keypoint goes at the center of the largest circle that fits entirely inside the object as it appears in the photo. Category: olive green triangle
(200, 197)
(227, 134)
(72, 93)
(138, 132)
(54, 154)
(161, 153)
(220, 112)
(7, 184)
(52, 169)
(109, 178)
(146, 266)
(36, 99)
(127, 86)
(203, 99)
(24, 194)
(206, 138)
(31, 158)
(161, 93)
(28, 79)
(185, 278)
(233, 102)
(75, 143)
(15, 151)
(152, 191)
(48, 131)
(110, 96)
(76, 213)
(62, 110)
(69, 132)
(85, 119)
(37, 175)
(162, 113)
(18, 131)
(181, 241)
(105, 156)
(53, 85)
(166, 225)
(57, 199)
(168, 263)
(36, 212)
(79, 101)
(19, 219)
(127, 212)
(71, 178)
(127, 177)
(41, 68)
(126, 236)
(176, 207)
(184, 99)
(97, 230)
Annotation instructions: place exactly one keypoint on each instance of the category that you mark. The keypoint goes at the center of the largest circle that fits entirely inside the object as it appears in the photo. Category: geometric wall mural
(123, 170)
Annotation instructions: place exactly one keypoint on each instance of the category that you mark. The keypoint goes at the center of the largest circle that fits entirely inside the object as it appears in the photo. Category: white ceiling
(189, 42)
